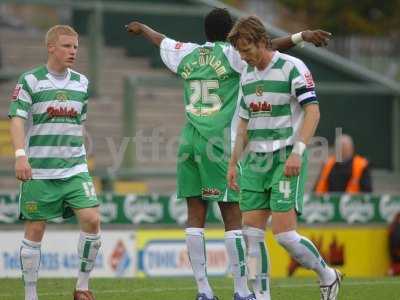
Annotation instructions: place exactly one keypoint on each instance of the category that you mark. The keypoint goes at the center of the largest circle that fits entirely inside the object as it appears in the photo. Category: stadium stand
(162, 108)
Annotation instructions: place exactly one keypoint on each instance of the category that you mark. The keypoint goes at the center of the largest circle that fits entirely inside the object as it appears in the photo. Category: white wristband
(297, 38)
(299, 148)
(19, 153)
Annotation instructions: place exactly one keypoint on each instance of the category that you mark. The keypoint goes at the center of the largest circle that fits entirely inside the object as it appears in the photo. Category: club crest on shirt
(259, 90)
(61, 96)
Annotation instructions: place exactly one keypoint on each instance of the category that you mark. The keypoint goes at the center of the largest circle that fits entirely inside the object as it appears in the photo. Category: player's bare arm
(240, 144)
(307, 130)
(137, 28)
(23, 170)
(318, 37)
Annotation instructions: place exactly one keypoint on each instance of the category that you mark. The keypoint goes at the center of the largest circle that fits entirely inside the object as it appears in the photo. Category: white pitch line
(162, 290)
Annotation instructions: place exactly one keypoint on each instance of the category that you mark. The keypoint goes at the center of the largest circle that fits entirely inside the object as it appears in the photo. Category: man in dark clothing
(350, 174)
(394, 246)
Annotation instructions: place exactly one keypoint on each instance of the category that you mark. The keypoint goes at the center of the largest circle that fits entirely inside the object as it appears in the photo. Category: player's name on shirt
(205, 58)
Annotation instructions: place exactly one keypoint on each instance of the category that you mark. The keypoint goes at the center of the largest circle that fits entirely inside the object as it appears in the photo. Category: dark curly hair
(217, 25)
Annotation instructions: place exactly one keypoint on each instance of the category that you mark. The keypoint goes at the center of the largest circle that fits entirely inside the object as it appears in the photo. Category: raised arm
(317, 37)
(23, 170)
(137, 28)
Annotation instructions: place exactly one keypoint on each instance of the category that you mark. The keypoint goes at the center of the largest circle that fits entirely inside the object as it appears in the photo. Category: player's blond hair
(250, 29)
(57, 30)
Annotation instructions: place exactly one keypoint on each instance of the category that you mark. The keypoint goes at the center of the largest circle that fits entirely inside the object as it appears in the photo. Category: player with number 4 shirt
(279, 114)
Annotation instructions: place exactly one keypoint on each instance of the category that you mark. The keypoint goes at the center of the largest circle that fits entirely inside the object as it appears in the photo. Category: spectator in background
(351, 174)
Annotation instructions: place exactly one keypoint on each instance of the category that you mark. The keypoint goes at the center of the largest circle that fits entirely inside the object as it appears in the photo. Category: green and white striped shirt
(272, 102)
(56, 110)
(211, 74)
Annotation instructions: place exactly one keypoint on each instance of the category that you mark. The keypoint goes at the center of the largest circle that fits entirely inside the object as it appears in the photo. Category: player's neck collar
(58, 75)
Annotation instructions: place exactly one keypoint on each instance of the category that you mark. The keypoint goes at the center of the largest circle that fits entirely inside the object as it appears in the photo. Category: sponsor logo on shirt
(260, 109)
(65, 111)
(309, 80)
(15, 92)
(61, 112)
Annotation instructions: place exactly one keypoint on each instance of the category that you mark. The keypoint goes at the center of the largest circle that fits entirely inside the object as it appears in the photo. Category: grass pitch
(184, 289)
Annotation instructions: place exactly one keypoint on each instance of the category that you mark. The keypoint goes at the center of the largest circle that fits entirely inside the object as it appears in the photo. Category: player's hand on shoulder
(134, 27)
(319, 38)
(293, 165)
(23, 170)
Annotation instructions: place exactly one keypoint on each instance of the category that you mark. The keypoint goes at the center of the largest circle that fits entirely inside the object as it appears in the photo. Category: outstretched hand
(319, 38)
(135, 28)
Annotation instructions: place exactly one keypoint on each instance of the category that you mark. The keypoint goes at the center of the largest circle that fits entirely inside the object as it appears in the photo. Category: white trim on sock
(232, 234)
(91, 236)
(31, 244)
(254, 232)
(194, 231)
(288, 237)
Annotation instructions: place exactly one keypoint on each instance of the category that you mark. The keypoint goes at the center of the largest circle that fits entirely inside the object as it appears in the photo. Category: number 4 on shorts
(89, 189)
(284, 188)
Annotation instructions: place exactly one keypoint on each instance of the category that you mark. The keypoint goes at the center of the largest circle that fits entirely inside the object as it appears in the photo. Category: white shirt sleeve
(234, 58)
(172, 52)
(303, 86)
